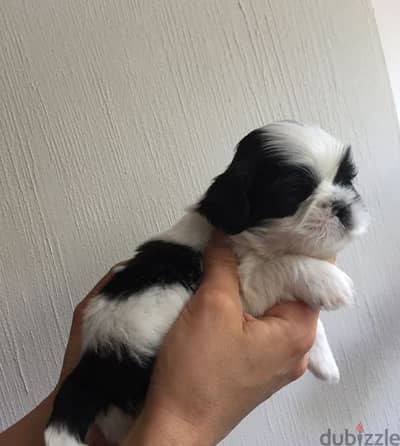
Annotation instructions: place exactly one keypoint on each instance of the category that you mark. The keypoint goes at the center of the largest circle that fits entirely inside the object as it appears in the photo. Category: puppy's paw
(322, 364)
(330, 287)
(328, 372)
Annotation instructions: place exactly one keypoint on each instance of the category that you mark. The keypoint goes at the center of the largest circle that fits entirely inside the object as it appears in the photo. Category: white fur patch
(56, 437)
(139, 321)
(309, 145)
(191, 230)
(321, 360)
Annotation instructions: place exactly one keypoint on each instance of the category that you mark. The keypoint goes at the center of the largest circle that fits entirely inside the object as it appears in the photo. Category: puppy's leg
(321, 284)
(80, 398)
(318, 283)
(321, 360)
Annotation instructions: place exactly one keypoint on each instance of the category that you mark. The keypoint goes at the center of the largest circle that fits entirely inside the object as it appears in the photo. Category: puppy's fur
(285, 201)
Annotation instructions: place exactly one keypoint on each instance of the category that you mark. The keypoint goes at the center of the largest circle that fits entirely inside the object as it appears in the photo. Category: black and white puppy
(285, 201)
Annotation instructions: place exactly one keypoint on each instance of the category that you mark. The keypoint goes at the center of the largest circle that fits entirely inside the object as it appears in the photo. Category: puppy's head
(293, 179)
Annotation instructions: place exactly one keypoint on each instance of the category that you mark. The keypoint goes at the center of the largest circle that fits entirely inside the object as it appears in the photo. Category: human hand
(217, 364)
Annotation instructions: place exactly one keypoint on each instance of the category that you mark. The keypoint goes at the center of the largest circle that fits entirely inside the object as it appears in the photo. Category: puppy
(286, 201)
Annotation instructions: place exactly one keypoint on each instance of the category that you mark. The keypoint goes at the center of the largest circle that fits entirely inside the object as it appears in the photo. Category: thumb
(220, 267)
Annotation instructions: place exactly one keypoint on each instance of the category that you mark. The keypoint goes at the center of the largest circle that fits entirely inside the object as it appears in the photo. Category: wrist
(164, 427)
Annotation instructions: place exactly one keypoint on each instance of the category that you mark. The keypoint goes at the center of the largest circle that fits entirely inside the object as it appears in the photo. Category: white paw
(322, 364)
(326, 371)
(331, 288)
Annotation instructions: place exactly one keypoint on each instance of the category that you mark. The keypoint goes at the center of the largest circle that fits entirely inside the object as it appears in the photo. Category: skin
(226, 360)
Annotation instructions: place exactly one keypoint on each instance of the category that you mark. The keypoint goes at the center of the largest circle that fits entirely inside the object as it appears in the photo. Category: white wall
(116, 114)
(387, 15)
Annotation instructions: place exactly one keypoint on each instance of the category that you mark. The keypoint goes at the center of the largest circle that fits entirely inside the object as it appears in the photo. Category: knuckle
(222, 302)
(217, 300)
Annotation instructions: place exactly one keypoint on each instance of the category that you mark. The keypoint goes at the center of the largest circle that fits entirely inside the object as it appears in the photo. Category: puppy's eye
(347, 170)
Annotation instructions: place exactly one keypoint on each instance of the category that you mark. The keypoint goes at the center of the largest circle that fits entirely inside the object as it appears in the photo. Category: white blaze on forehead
(307, 145)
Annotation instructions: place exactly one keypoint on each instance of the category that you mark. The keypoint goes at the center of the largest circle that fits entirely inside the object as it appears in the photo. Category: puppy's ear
(225, 204)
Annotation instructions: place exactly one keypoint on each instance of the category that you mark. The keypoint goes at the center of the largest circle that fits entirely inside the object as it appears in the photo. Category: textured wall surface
(116, 114)
(387, 15)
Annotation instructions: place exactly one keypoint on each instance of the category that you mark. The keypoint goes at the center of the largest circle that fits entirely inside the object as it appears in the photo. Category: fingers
(220, 268)
(218, 294)
(296, 325)
(294, 312)
(97, 288)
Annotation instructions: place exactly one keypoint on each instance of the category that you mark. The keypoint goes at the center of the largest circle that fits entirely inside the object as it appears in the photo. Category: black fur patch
(258, 185)
(156, 263)
(347, 171)
(98, 382)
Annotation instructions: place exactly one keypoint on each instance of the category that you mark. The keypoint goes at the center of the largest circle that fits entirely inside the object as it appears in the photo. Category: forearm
(29, 430)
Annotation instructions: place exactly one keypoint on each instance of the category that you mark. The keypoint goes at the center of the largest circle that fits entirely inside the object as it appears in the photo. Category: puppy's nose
(342, 211)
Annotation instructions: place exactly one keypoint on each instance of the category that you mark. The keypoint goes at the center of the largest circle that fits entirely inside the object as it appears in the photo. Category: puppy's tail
(76, 405)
